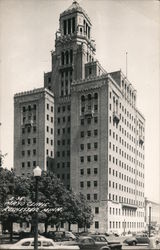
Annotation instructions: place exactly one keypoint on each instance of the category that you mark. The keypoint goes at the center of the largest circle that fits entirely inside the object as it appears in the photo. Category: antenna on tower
(126, 63)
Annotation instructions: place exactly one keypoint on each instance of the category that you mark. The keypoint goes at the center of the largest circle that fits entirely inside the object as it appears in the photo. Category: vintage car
(137, 239)
(89, 243)
(111, 241)
(43, 243)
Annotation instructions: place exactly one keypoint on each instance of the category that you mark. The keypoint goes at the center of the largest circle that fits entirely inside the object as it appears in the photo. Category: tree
(52, 195)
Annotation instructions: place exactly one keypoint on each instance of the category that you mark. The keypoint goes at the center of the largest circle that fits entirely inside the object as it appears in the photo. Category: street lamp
(37, 174)
(149, 226)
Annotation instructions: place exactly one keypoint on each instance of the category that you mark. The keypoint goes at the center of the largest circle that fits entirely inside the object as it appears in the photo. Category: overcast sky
(27, 33)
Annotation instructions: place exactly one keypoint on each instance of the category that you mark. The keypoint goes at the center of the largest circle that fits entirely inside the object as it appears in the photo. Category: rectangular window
(96, 224)
(82, 171)
(34, 129)
(82, 146)
(88, 184)
(95, 183)
(29, 129)
(88, 133)
(95, 157)
(95, 171)
(82, 159)
(96, 210)
(23, 164)
(34, 140)
(82, 133)
(88, 145)
(88, 197)
(81, 184)
(82, 121)
(88, 171)
(95, 196)
(88, 158)
(95, 119)
(95, 132)
(28, 164)
(34, 163)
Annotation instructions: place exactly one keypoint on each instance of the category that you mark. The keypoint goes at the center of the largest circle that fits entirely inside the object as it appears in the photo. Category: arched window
(82, 98)
(89, 97)
(96, 96)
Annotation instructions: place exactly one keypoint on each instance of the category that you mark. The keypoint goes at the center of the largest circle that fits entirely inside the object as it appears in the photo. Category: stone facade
(33, 131)
(98, 130)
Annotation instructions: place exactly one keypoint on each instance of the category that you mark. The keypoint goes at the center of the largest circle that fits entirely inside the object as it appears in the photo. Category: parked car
(112, 242)
(137, 239)
(43, 243)
(89, 243)
(60, 235)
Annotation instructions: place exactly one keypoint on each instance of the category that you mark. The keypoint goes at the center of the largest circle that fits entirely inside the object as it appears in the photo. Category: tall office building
(33, 130)
(98, 130)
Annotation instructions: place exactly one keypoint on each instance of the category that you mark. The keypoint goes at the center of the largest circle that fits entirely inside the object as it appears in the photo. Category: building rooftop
(75, 7)
(34, 91)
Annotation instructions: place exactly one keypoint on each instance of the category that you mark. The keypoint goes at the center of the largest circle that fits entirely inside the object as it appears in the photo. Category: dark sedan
(113, 243)
(137, 239)
(89, 243)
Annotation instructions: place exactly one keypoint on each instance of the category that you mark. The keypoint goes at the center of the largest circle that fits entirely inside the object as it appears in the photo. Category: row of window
(63, 142)
(29, 129)
(63, 119)
(63, 108)
(29, 141)
(128, 135)
(29, 152)
(129, 225)
(126, 112)
(89, 146)
(49, 107)
(126, 212)
(49, 118)
(128, 168)
(89, 133)
(47, 141)
(89, 184)
(124, 188)
(28, 164)
(127, 178)
(63, 164)
(88, 171)
(89, 158)
(51, 130)
(63, 153)
(63, 130)
(114, 197)
(115, 173)
(47, 153)
(128, 146)
(89, 120)
(29, 108)
(126, 156)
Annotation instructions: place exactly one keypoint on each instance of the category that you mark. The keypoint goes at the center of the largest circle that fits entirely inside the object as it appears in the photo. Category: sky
(27, 36)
